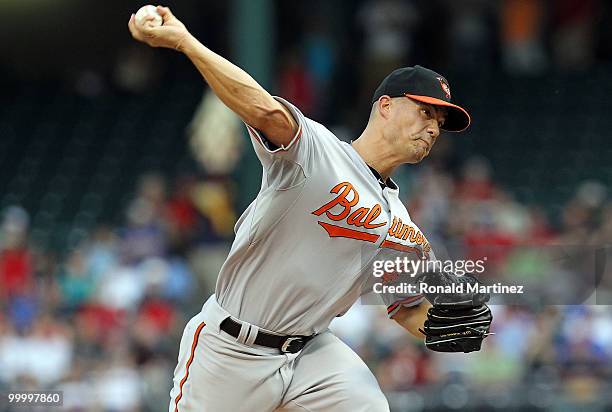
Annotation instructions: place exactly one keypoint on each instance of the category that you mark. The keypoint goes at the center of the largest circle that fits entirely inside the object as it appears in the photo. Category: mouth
(427, 146)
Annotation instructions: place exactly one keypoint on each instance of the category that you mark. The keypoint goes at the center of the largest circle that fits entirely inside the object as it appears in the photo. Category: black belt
(285, 344)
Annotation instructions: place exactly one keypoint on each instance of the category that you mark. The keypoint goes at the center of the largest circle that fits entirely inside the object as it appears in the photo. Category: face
(411, 127)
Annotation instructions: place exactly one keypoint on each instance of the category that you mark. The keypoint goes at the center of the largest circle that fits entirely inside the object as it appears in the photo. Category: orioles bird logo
(445, 87)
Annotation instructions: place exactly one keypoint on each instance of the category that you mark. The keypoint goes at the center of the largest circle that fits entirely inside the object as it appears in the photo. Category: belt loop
(244, 332)
(250, 340)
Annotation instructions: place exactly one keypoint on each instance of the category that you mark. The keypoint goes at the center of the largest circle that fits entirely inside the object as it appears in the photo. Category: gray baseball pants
(217, 373)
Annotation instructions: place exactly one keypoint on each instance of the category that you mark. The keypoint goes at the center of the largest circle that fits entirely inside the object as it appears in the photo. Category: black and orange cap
(426, 86)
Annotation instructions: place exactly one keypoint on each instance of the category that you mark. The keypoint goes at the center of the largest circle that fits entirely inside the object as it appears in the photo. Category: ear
(384, 106)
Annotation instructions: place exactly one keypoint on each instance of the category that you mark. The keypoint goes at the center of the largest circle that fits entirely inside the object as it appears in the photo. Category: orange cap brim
(458, 119)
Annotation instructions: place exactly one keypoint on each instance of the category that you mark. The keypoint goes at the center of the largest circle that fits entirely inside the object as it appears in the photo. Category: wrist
(186, 43)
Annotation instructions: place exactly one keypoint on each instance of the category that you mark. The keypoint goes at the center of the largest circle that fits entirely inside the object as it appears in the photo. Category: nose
(433, 130)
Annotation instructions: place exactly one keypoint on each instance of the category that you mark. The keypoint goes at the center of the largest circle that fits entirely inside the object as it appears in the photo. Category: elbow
(261, 110)
(276, 117)
(276, 123)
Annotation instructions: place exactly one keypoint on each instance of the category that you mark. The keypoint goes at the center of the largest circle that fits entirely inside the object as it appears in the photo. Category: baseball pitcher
(325, 211)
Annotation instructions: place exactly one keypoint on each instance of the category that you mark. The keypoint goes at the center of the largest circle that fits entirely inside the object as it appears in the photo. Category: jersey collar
(383, 183)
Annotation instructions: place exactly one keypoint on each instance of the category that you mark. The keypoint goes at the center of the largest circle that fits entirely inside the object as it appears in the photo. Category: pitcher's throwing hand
(171, 34)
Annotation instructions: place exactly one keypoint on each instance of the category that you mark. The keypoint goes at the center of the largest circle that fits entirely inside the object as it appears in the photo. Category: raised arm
(235, 87)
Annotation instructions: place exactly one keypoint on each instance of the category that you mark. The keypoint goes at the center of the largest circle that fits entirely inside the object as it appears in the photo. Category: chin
(415, 160)
(417, 157)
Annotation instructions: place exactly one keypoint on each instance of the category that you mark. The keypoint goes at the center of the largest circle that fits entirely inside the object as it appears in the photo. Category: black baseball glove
(456, 322)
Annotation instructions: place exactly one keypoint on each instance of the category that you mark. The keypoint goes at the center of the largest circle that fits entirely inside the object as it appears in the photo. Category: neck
(371, 147)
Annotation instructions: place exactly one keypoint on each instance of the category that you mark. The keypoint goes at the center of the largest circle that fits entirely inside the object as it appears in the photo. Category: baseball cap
(425, 86)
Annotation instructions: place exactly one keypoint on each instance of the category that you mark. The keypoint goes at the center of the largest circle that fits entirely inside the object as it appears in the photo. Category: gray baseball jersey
(303, 248)
(302, 255)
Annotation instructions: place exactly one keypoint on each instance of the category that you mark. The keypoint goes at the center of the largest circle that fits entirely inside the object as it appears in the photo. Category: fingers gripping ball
(169, 32)
(456, 322)
(147, 16)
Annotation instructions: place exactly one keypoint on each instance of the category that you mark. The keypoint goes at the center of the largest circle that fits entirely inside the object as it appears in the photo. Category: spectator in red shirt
(15, 258)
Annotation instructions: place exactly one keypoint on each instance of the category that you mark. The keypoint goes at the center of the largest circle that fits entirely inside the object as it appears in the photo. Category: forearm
(235, 87)
(413, 318)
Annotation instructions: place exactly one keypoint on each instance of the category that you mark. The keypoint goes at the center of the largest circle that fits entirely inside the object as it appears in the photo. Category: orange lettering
(399, 228)
(401, 233)
(419, 239)
(374, 213)
(341, 200)
(409, 233)
(392, 229)
(416, 235)
(362, 217)
(357, 216)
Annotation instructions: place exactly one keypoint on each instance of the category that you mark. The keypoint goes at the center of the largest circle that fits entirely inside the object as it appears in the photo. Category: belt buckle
(286, 346)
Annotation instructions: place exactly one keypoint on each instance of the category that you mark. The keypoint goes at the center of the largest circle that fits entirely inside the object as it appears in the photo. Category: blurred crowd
(103, 322)
(333, 60)
(330, 56)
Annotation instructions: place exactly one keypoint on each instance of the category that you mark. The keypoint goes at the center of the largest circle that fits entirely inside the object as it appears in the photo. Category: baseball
(146, 11)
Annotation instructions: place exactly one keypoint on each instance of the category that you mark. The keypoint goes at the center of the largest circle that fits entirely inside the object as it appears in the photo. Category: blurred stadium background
(121, 179)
